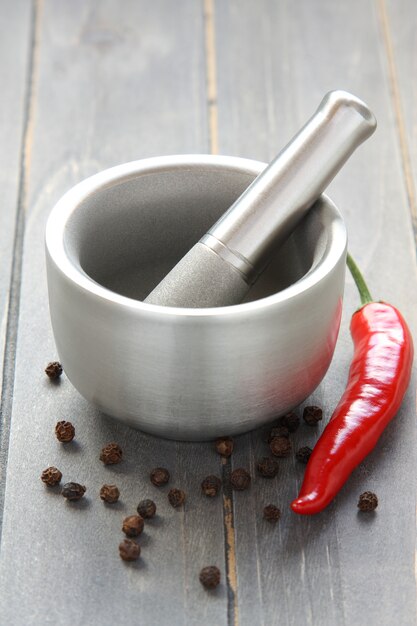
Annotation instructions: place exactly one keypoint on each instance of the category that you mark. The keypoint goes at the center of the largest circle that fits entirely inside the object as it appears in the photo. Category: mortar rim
(110, 177)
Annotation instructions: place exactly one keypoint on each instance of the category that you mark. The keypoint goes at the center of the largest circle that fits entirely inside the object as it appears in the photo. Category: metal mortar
(175, 372)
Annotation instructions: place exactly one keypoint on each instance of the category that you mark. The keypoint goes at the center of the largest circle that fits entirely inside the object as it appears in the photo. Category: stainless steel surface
(200, 279)
(263, 217)
(177, 372)
(265, 214)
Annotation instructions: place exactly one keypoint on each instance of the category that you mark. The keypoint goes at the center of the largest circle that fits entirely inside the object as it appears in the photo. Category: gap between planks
(213, 128)
(402, 135)
(9, 363)
(398, 111)
(211, 75)
(229, 544)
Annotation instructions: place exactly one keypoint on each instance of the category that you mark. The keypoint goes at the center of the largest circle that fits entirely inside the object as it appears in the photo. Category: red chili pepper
(378, 379)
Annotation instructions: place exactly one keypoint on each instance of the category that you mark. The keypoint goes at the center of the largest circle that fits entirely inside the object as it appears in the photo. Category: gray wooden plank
(112, 85)
(275, 61)
(15, 53)
(397, 23)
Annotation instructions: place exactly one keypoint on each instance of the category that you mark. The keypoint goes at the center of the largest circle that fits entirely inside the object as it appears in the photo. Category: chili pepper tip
(308, 505)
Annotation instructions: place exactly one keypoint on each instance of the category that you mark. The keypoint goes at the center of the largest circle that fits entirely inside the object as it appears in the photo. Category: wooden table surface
(89, 84)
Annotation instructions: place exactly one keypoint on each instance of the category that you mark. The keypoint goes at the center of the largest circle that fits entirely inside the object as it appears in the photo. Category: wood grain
(103, 85)
(275, 62)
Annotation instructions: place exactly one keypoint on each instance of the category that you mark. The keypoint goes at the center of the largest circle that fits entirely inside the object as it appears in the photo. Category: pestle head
(202, 279)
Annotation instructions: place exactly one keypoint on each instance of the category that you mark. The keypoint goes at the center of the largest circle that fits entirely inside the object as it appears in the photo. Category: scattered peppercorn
(146, 508)
(109, 493)
(224, 446)
(280, 446)
(268, 468)
(159, 476)
(290, 420)
(176, 497)
(73, 491)
(240, 479)
(129, 550)
(111, 454)
(211, 486)
(368, 501)
(51, 476)
(312, 415)
(272, 513)
(210, 576)
(133, 525)
(303, 454)
(278, 431)
(64, 431)
(53, 370)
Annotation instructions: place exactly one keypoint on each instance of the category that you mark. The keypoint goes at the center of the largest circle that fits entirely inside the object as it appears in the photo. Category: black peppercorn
(312, 415)
(267, 467)
(368, 501)
(129, 550)
(240, 479)
(53, 370)
(51, 476)
(64, 431)
(280, 446)
(73, 491)
(211, 486)
(224, 446)
(278, 431)
(303, 454)
(290, 420)
(210, 577)
(146, 508)
(111, 454)
(109, 493)
(133, 525)
(159, 476)
(176, 497)
(272, 513)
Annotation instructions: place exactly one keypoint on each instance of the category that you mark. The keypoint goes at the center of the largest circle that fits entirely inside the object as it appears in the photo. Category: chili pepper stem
(364, 292)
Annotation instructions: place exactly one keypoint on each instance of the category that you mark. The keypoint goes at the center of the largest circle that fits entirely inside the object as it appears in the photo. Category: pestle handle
(245, 237)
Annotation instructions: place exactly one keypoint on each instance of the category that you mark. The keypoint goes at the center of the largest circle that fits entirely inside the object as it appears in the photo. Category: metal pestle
(221, 267)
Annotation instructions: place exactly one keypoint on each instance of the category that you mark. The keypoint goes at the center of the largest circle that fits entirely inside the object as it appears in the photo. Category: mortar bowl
(182, 373)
